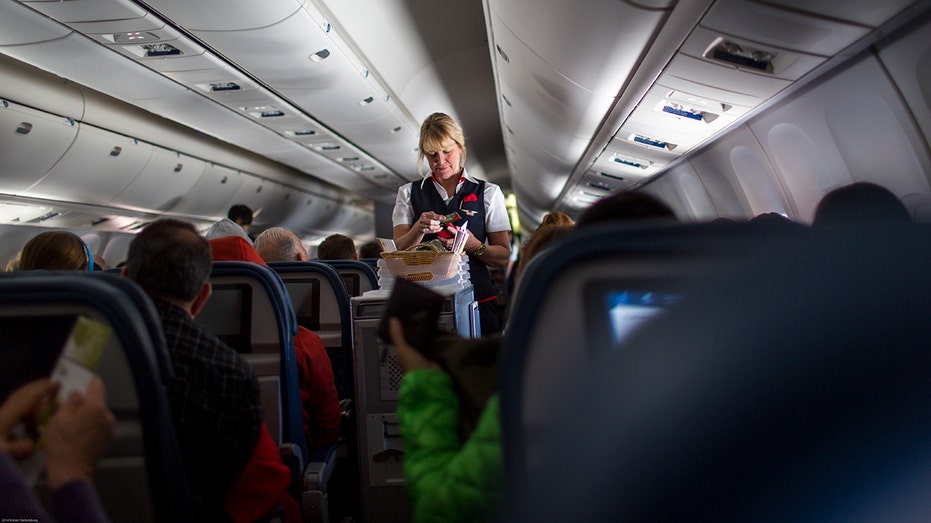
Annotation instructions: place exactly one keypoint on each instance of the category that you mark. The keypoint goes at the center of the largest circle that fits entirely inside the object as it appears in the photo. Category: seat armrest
(322, 462)
(293, 458)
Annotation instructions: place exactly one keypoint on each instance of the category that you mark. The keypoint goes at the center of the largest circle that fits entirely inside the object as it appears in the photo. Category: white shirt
(496, 213)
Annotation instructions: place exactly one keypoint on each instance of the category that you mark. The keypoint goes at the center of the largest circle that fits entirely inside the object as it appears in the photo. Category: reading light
(131, 37)
(155, 50)
(225, 86)
(631, 162)
(651, 142)
(681, 112)
(320, 55)
(743, 58)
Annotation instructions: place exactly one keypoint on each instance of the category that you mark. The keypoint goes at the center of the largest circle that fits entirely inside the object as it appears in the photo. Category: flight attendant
(421, 205)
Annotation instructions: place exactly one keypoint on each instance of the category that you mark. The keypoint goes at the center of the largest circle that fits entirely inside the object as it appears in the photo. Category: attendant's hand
(21, 407)
(429, 222)
(78, 435)
(409, 357)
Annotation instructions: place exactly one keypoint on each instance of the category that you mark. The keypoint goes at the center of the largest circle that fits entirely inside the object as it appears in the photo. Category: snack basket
(422, 262)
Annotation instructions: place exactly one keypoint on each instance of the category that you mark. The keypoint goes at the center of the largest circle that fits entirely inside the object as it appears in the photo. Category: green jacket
(448, 480)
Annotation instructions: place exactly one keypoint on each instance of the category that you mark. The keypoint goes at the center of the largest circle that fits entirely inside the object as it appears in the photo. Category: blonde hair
(55, 251)
(436, 129)
(556, 218)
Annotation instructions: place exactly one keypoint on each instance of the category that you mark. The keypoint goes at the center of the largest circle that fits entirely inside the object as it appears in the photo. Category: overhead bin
(271, 51)
(213, 193)
(724, 77)
(788, 29)
(165, 180)
(595, 44)
(98, 166)
(41, 139)
(531, 87)
(236, 14)
(20, 26)
(872, 13)
(87, 10)
(257, 193)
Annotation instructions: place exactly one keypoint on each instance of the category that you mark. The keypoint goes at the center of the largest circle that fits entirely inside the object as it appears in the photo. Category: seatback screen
(616, 308)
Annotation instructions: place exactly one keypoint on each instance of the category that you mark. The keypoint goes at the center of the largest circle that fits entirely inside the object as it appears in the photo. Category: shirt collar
(465, 176)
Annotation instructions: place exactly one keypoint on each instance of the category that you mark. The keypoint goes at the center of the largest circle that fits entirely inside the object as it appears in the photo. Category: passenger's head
(439, 132)
(234, 248)
(543, 237)
(556, 218)
(370, 250)
(280, 245)
(626, 207)
(337, 247)
(774, 221)
(226, 227)
(860, 203)
(169, 259)
(56, 251)
(242, 215)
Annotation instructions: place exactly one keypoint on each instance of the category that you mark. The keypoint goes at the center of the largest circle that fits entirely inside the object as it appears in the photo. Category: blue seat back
(321, 303)
(559, 321)
(251, 311)
(141, 476)
(792, 386)
(358, 276)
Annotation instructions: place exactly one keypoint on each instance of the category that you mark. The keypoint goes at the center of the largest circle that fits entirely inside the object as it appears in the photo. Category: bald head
(279, 245)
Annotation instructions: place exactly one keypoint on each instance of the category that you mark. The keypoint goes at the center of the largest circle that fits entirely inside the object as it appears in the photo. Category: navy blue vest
(469, 202)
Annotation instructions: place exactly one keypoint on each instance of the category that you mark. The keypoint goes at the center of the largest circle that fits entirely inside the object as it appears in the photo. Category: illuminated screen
(617, 308)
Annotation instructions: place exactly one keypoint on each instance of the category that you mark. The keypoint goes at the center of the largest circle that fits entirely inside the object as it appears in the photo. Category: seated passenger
(860, 203)
(56, 251)
(370, 250)
(319, 401)
(214, 395)
(450, 476)
(280, 245)
(241, 215)
(626, 206)
(337, 247)
(77, 436)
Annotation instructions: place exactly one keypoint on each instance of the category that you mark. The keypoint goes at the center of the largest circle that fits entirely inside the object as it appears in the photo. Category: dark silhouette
(860, 203)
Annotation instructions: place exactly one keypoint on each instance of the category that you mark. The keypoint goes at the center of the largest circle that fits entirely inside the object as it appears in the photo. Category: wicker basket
(422, 262)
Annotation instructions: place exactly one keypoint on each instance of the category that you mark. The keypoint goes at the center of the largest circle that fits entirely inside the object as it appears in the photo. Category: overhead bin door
(162, 183)
(213, 193)
(41, 139)
(95, 169)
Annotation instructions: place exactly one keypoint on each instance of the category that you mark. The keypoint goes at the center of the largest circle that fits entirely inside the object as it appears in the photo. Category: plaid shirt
(216, 407)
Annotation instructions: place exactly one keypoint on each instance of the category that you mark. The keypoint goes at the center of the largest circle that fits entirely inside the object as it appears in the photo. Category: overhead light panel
(160, 49)
(652, 143)
(134, 37)
(684, 112)
(630, 161)
(684, 98)
(741, 55)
